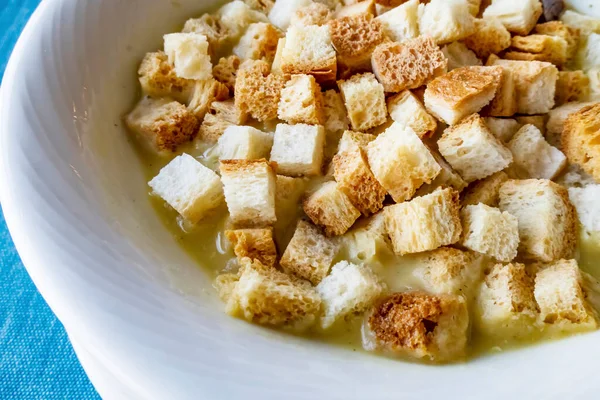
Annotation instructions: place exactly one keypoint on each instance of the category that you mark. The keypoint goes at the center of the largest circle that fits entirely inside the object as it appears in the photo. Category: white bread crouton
(580, 139)
(547, 219)
(298, 149)
(401, 22)
(312, 14)
(249, 187)
(485, 191)
(586, 23)
(301, 101)
(365, 101)
(472, 150)
(349, 290)
(188, 53)
(259, 42)
(203, 95)
(189, 187)
(505, 304)
(162, 124)
(588, 55)
(557, 118)
(489, 37)
(244, 143)
(158, 78)
(424, 223)
(559, 29)
(264, 6)
(283, 11)
(459, 55)
(408, 65)
(534, 155)
(220, 115)
(226, 70)
(356, 8)
(419, 325)
(276, 64)
(329, 208)
(401, 162)
(256, 244)
(448, 98)
(367, 241)
(257, 92)
(446, 21)
(309, 254)
(210, 26)
(334, 112)
(536, 47)
(236, 16)
(446, 178)
(489, 231)
(406, 109)
(504, 103)
(503, 128)
(351, 139)
(571, 86)
(308, 50)
(586, 203)
(448, 270)
(518, 16)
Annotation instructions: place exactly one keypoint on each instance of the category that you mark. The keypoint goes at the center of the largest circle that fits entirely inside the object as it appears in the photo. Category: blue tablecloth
(36, 358)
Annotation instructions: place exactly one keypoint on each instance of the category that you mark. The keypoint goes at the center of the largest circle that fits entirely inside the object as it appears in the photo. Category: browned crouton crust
(256, 244)
(571, 86)
(581, 139)
(490, 37)
(355, 37)
(158, 77)
(226, 70)
(220, 115)
(257, 91)
(557, 28)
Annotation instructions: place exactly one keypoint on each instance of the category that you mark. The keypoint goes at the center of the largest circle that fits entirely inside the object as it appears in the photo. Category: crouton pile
(345, 140)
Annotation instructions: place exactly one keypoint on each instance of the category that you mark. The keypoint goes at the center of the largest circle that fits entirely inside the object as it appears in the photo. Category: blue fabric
(36, 357)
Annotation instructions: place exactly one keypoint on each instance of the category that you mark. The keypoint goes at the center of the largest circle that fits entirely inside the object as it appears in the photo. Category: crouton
(560, 295)
(518, 16)
(585, 200)
(211, 129)
(298, 149)
(329, 208)
(188, 53)
(367, 241)
(244, 143)
(349, 290)
(574, 176)
(158, 78)
(351, 140)
(504, 103)
(282, 12)
(249, 187)
(365, 101)
(236, 16)
(580, 139)
(556, 121)
(448, 98)
(210, 26)
(571, 86)
(557, 28)
(534, 155)
(472, 150)
(536, 47)
(259, 42)
(301, 101)
(203, 95)
(419, 325)
(547, 219)
(226, 70)
(266, 296)
(288, 192)
(189, 187)
(587, 24)
(263, 6)
(489, 231)
(505, 303)
(446, 21)
(354, 39)
(588, 55)
(406, 109)
(162, 124)
(424, 223)
(308, 50)
(535, 84)
(257, 91)
(408, 65)
(256, 244)
(401, 162)
(220, 115)
(485, 191)
(358, 8)
(309, 254)
(448, 270)
(446, 178)
(355, 179)
(402, 22)
(503, 128)
(459, 55)
(312, 14)
(334, 112)
(490, 37)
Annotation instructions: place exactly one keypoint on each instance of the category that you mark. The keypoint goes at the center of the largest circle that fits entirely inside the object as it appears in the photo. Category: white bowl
(74, 197)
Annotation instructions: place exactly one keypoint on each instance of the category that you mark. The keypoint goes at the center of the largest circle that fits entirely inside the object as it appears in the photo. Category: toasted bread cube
(312, 14)
(309, 254)
(189, 187)
(571, 86)
(365, 101)
(504, 103)
(334, 112)
(204, 94)
(419, 325)
(210, 26)
(585, 200)
(408, 65)
(259, 42)
(534, 155)
(406, 109)
(489, 37)
(586, 23)
(308, 50)
(485, 191)
(472, 150)
(588, 55)
(282, 12)
(188, 53)
(288, 192)
(244, 143)
(249, 187)
(367, 240)
(446, 178)
(448, 270)
(257, 91)
(548, 48)
(298, 149)
(236, 16)
(547, 219)
(539, 121)
(163, 124)
(557, 118)
(349, 290)
(580, 139)
(490, 231)
(158, 78)
(505, 305)
(264, 6)
(356, 8)
(226, 70)
(557, 28)
(329, 208)
(220, 115)
(256, 244)
(560, 295)
(354, 39)
(503, 128)
(575, 177)
(518, 16)
(351, 140)
(211, 129)
(401, 162)
(301, 101)
(446, 21)
(424, 223)
(459, 55)
(402, 22)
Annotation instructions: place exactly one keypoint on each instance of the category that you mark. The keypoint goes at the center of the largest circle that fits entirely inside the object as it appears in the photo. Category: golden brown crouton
(504, 103)
(539, 121)
(552, 49)
(559, 29)
(365, 101)
(259, 42)
(256, 244)
(485, 191)
(329, 208)
(226, 70)
(407, 109)
(490, 37)
(301, 101)
(334, 112)
(581, 139)
(447, 178)
(312, 14)
(257, 91)
(571, 86)
(448, 270)
(211, 27)
(158, 78)
(220, 115)
(204, 94)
